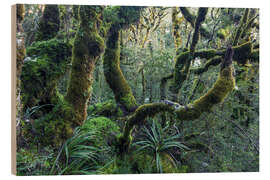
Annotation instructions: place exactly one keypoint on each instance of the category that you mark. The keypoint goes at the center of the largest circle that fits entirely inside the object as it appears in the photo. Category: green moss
(104, 128)
(113, 73)
(224, 84)
(51, 128)
(58, 123)
(49, 23)
(88, 46)
(221, 34)
(48, 62)
(108, 109)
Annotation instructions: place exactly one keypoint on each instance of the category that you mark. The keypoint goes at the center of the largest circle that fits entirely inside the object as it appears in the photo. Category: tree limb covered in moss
(191, 19)
(222, 87)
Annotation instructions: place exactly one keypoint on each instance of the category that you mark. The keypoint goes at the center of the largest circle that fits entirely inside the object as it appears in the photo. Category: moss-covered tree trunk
(113, 74)
(87, 48)
(41, 78)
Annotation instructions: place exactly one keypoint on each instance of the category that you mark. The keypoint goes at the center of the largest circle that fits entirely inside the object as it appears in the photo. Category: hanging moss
(49, 23)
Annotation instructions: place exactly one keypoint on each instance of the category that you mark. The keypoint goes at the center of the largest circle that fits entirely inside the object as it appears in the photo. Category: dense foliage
(110, 89)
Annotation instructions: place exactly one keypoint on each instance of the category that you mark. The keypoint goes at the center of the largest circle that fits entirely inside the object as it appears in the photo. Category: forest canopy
(129, 89)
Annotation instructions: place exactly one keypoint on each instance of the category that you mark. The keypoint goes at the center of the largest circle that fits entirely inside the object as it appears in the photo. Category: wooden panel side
(13, 89)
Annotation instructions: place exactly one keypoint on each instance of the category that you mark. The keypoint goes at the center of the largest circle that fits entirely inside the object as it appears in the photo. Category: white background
(5, 86)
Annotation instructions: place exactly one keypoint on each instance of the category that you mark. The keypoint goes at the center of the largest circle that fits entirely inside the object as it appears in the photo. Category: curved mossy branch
(222, 87)
(49, 23)
(240, 29)
(224, 84)
(191, 19)
(87, 48)
(113, 74)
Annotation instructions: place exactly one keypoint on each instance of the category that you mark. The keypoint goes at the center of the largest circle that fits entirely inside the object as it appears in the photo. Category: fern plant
(78, 155)
(157, 143)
